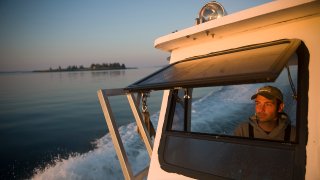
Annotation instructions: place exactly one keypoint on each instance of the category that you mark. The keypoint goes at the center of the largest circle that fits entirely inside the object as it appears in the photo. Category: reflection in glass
(220, 109)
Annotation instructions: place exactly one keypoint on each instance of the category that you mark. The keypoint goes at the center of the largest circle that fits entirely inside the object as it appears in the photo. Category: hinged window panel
(248, 64)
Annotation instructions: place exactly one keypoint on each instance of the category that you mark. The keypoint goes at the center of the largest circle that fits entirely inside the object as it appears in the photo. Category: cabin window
(218, 110)
(249, 64)
(211, 94)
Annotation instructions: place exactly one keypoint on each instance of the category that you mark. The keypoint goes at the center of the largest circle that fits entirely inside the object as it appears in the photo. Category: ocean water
(52, 125)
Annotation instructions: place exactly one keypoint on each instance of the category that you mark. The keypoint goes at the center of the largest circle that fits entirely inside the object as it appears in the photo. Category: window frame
(298, 149)
(169, 76)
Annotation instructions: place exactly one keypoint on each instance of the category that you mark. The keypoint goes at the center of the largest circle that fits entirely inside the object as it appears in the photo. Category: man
(269, 121)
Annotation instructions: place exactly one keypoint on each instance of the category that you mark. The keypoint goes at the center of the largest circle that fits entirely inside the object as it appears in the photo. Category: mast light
(210, 11)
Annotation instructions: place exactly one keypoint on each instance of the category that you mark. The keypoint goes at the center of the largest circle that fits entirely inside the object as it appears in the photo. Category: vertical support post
(115, 136)
(143, 130)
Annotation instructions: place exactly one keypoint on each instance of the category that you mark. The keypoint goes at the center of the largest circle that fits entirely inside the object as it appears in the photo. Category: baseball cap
(269, 92)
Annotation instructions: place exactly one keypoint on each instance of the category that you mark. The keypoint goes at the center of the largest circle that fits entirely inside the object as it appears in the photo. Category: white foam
(102, 162)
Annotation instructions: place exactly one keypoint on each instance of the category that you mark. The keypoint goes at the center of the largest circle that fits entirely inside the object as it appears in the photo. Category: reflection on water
(48, 115)
(76, 74)
(105, 74)
(111, 73)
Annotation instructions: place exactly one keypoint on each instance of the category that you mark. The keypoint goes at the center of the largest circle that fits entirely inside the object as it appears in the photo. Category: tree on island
(97, 66)
(103, 66)
(115, 65)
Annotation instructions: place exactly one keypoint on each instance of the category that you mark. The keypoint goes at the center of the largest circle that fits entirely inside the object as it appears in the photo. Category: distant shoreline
(64, 70)
(85, 69)
(93, 67)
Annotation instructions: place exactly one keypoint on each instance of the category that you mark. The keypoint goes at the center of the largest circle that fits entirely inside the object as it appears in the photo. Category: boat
(277, 44)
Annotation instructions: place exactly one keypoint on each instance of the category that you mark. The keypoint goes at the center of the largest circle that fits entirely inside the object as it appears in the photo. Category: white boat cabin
(215, 67)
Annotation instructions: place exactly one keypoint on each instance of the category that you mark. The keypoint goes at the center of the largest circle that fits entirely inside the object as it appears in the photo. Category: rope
(146, 117)
(148, 123)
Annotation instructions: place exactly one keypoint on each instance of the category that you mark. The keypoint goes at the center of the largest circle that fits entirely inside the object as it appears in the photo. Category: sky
(43, 34)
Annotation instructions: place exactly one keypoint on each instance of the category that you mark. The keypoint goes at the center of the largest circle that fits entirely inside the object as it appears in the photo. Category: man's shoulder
(244, 124)
(242, 128)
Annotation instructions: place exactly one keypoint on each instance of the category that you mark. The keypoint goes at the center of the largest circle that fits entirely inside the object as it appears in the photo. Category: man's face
(266, 109)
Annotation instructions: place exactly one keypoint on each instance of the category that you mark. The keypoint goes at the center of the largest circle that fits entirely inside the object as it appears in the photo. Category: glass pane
(220, 109)
(179, 109)
(258, 63)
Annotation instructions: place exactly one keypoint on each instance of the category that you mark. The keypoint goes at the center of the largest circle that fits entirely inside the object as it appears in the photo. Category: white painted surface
(275, 21)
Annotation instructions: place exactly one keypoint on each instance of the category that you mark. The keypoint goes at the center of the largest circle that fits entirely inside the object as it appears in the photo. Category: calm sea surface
(45, 116)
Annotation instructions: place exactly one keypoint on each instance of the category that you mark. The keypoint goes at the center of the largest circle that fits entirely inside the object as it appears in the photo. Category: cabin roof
(250, 19)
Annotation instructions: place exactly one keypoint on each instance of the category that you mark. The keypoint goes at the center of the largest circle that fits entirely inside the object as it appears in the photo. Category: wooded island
(93, 67)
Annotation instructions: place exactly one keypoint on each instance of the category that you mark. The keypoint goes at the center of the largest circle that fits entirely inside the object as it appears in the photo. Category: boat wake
(101, 162)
